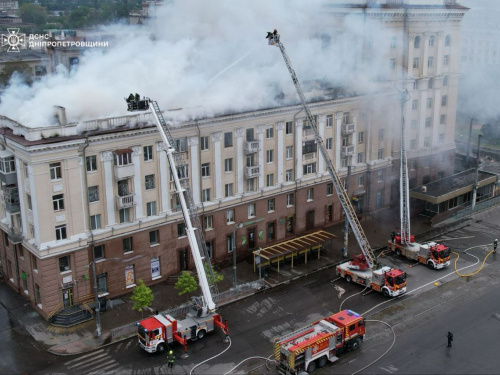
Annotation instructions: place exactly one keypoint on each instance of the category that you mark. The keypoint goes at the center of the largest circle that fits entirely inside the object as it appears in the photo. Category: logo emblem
(13, 40)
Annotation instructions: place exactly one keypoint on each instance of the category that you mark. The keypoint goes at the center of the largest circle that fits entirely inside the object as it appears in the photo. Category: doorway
(67, 297)
(183, 260)
(251, 238)
(310, 220)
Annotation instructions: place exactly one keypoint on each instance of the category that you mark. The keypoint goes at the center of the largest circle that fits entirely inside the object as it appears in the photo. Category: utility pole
(97, 304)
(474, 191)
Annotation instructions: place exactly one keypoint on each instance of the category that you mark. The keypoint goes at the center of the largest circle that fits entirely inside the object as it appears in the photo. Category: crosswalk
(98, 362)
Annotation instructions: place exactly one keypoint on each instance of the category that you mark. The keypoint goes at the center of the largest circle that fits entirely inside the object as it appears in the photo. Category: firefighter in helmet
(495, 244)
(171, 359)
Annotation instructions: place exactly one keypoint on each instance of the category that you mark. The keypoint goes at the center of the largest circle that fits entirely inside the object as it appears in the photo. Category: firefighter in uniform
(450, 339)
(171, 359)
(495, 244)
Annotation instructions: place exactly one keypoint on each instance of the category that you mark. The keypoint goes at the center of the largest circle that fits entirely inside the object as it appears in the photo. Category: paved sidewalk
(81, 338)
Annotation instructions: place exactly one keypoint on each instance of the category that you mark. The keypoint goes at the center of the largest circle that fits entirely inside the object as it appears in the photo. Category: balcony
(308, 132)
(124, 171)
(8, 173)
(251, 146)
(15, 235)
(11, 198)
(348, 128)
(251, 172)
(348, 150)
(125, 201)
(309, 156)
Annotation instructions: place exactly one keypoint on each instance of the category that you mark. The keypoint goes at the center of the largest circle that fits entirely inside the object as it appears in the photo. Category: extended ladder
(403, 183)
(274, 39)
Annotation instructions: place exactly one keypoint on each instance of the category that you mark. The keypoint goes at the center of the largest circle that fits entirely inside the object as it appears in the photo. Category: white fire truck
(156, 332)
(316, 344)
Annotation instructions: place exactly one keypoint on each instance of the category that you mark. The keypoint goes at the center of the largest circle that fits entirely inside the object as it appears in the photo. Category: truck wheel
(348, 278)
(322, 362)
(385, 292)
(430, 265)
(201, 334)
(160, 348)
(355, 344)
(398, 252)
(311, 367)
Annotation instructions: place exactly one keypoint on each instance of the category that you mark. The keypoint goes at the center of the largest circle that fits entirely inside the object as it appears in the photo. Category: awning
(290, 248)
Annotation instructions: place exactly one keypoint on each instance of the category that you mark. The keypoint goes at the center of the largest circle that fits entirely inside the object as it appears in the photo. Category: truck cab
(439, 255)
(394, 281)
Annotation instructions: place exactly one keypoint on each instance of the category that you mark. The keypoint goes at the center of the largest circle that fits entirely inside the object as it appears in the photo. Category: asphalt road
(438, 301)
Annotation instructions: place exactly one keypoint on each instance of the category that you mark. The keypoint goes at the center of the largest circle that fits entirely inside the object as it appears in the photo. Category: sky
(208, 59)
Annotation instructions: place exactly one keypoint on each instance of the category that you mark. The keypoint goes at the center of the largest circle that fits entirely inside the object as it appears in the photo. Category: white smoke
(208, 58)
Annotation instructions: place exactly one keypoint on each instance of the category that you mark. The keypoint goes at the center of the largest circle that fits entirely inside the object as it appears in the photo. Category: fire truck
(436, 256)
(156, 332)
(316, 344)
(386, 280)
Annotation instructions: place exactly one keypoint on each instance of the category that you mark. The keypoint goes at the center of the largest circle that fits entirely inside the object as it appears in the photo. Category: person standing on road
(495, 244)
(450, 339)
(171, 360)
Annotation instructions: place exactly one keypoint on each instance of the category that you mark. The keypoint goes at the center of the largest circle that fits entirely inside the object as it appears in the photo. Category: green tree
(78, 18)
(17, 66)
(33, 13)
(217, 278)
(186, 283)
(142, 296)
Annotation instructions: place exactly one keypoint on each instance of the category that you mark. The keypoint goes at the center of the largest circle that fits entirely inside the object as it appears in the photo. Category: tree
(218, 277)
(33, 13)
(17, 66)
(142, 297)
(186, 283)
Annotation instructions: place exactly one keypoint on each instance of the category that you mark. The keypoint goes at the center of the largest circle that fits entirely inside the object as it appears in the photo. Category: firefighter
(450, 339)
(137, 97)
(171, 359)
(130, 98)
(393, 236)
(495, 244)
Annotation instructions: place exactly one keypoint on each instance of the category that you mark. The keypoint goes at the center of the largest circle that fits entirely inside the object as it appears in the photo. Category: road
(438, 301)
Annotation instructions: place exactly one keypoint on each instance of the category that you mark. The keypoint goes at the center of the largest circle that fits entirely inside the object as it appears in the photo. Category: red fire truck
(316, 344)
(435, 255)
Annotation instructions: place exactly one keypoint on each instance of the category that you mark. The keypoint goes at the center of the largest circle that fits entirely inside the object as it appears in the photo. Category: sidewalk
(81, 339)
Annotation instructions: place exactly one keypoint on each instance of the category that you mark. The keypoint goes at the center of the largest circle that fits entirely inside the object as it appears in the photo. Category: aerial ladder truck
(156, 332)
(436, 256)
(362, 268)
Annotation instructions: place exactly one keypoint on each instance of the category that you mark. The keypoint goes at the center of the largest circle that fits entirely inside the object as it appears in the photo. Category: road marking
(83, 356)
(90, 361)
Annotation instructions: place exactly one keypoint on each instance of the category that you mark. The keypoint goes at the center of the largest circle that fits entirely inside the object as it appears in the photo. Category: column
(298, 145)
(107, 158)
(240, 159)
(138, 181)
(422, 113)
(216, 140)
(321, 130)
(411, 40)
(425, 42)
(262, 161)
(195, 171)
(436, 118)
(338, 143)
(368, 138)
(280, 126)
(440, 45)
(164, 178)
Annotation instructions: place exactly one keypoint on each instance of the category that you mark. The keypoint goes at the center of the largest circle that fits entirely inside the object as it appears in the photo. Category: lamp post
(239, 226)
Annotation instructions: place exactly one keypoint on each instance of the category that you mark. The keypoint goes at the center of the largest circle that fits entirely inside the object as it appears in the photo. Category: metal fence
(123, 331)
(480, 206)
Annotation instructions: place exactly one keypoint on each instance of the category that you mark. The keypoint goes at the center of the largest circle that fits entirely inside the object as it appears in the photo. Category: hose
(472, 273)
(215, 356)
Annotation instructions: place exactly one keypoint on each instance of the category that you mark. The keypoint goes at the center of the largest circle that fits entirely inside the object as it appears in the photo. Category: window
(345, 116)
(430, 83)
(392, 64)
(289, 175)
(416, 42)
(148, 153)
(154, 237)
(61, 232)
(205, 195)
(427, 142)
(289, 152)
(102, 283)
(38, 295)
(442, 119)
(270, 231)
(413, 144)
(58, 202)
(394, 42)
(99, 252)
(289, 224)
(95, 222)
(380, 153)
(446, 60)
(251, 184)
(431, 41)
(228, 165)
(445, 81)
(181, 144)
(309, 168)
(269, 156)
(28, 199)
(251, 210)
(93, 193)
(55, 171)
(414, 124)
(181, 230)
(269, 133)
(329, 142)
(270, 205)
(127, 245)
(378, 199)
(204, 143)
(430, 61)
(380, 176)
(91, 162)
(345, 162)
(26, 171)
(124, 215)
(64, 264)
(205, 170)
(230, 243)
(151, 208)
(310, 194)
(149, 181)
(289, 200)
(309, 146)
(447, 41)
(429, 103)
(361, 137)
(415, 63)
(228, 190)
(329, 189)
(208, 222)
(415, 85)
(270, 180)
(230, 216)
(381, 134)
(413, 165)
(8, 165)
(428, 122)
(360, 157)
(228, 139)
(289, 127)
(329, 121)
(441, 138)
(34, 262)
(444, 100)
(210, 249)
(250, 135)
(123, 158)
(414, 105)
(361, 180)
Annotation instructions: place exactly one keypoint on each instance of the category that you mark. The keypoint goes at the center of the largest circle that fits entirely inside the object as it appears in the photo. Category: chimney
(60, 115)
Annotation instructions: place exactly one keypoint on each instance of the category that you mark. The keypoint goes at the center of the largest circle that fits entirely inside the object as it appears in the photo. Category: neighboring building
(37, 61)
(148, 9)
(9, 7)
(100, 189)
